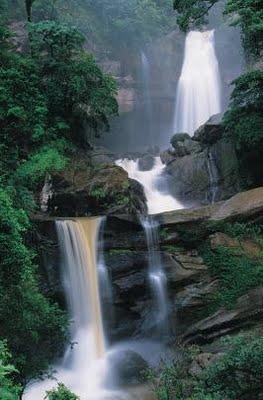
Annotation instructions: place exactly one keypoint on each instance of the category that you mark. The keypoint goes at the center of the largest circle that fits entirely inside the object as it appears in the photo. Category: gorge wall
(190, 279)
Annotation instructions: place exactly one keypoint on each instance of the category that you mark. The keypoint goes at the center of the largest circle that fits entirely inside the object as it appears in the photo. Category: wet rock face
(248, 312)
(203, 169)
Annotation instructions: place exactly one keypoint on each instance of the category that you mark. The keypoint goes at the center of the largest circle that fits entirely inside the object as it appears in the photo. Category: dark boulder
(146, 162)
(106, 189)
(211, 131)
(184, 145)
(127, 367)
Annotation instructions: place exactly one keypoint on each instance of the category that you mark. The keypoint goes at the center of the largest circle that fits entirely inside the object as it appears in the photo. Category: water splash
(157, 201)
(198, 92)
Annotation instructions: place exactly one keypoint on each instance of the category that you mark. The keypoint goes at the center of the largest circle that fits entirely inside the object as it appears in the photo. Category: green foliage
(243, 230)
(99, 193)
(192, 12)
(8, 390)
(236, 375)
(47, 159)
(172, 383)
(236, 272)
(35, 328)
(55, 41)
(239, 373)
(116, 26)
(78, 92)
(244, 120)
(61, 393)
(248, 14)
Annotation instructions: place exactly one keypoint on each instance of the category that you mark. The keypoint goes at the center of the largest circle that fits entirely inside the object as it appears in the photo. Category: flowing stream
(198, 92)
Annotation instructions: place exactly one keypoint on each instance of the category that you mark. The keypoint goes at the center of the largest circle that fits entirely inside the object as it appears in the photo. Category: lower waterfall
(84, 367)
(78, 244)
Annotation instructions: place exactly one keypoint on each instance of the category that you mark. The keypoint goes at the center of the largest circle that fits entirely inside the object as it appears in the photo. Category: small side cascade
(157, 277)
(213, 176)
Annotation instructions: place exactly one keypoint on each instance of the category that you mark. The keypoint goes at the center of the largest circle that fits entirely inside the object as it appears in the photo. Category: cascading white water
(157, 201)
(84, 366)
(198, 91)
(157, 277)
(46, 193)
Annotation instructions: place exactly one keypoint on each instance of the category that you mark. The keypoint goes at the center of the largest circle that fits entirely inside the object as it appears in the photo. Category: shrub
(236, 273)
(8, 391)
(61, 393)
(237, 375)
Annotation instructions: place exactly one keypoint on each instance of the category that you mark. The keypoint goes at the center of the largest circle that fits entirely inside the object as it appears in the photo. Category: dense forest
(55, 102)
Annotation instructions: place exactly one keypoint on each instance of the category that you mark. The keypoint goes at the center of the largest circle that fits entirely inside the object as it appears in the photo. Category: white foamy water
(198, 91)
(157, 201)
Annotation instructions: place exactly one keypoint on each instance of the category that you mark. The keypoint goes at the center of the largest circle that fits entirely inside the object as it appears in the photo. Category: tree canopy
(248, 14)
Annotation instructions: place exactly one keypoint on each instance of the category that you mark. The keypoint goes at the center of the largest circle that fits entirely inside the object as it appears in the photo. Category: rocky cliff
(190, 243)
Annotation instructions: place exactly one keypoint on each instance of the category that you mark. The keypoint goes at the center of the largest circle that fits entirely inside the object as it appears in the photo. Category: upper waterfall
(198, 91)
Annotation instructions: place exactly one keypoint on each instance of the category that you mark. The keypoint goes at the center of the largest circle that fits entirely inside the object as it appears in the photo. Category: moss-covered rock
(85, 189)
